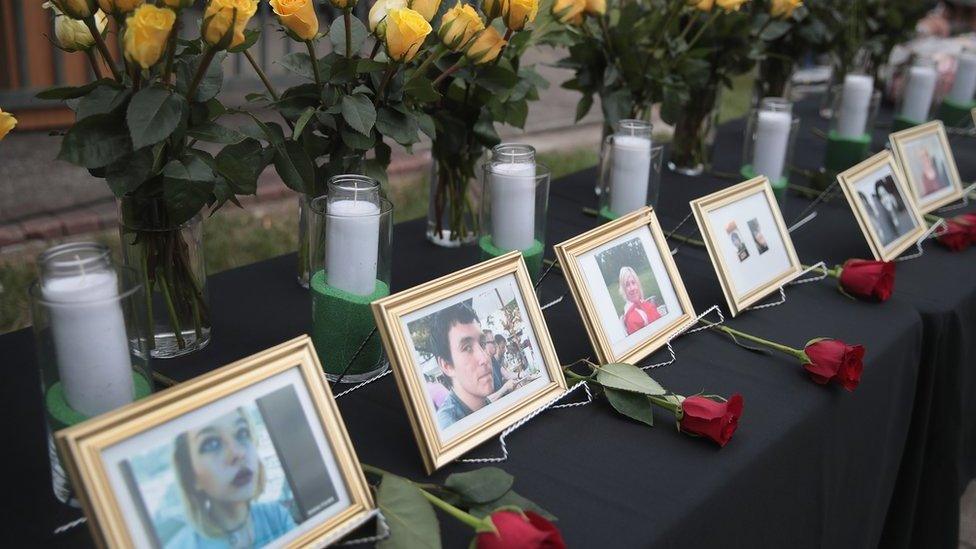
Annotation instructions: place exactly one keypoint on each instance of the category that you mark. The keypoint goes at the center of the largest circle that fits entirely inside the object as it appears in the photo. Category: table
(809, 466)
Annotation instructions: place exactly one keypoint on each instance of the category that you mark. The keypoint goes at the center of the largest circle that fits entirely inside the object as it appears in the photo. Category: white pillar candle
(917, 99)
(90, 341)
(964, 86)
(772, 139)
(513, 205)
(630, 173)
(352, 245)
(853, 116)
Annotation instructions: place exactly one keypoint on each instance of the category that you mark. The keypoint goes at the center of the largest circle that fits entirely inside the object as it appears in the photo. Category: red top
(634, 320)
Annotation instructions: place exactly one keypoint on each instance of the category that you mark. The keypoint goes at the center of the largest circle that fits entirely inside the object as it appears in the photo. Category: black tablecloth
(809, 467)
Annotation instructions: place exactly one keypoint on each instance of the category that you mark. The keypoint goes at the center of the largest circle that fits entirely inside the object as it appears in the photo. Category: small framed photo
(928, 164)
(882, 205)
(747, 241)
(626, 286)
(253, 454)
(471, 354)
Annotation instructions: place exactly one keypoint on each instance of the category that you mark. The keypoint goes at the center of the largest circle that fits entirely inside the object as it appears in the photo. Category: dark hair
(499, 338)
(444, 320)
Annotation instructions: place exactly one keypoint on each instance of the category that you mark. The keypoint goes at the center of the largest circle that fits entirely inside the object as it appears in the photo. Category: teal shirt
(270, 521)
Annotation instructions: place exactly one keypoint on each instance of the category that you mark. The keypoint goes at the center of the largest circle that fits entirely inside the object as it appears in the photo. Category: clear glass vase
(170, 262)
(774, 79)
(694, 133)
(452, 210)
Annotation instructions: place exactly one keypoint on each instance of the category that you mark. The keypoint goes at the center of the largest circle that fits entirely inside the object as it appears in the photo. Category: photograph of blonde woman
(631, 283)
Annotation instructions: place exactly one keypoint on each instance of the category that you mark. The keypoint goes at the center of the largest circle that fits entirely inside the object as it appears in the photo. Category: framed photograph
(882, 205)
(747, 241)
(471, 354)
(928, 164)
(626, 286)
(253, 454)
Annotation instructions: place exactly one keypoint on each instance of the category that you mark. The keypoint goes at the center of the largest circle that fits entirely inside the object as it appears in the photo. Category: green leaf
(242, 164)
(398, 126)
(421, 89)
(412, 522)
(294, 166)
(359, 113)
(484, 129)
(101, 100)
(633, 405)
(481, 485)
(211, 83)
(153, 114)
(74, 92)
(96, 141)
(126, 174)
(584, 105)
(298, 63)
(510, 499)
(356, 140)
(622, 376)
(337, 34)
(302, 121)
(364, 66)
(250, 38)
(211, 132)
(426, 123)
(188, 188)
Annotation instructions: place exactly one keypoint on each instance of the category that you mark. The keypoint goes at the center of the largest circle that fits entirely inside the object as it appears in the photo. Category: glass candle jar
(515, 199)
(630, 169)
(769, 138)
(90, 325)
(915, 103)
(352, 231)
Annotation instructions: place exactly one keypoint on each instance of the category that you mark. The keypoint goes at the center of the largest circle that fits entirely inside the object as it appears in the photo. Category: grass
(235, 237)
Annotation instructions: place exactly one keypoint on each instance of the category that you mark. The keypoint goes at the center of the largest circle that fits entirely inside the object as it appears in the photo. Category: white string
(682, 330)
(526, 419)
(382, 530)
(961, 204)
(553, 302)
(931, 233)
(364, 383)
(802, 222)
(65, 527)
(798, 280)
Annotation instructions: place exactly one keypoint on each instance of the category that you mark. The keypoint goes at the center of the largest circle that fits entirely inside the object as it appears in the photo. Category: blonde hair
(626, 271)
(194, 499)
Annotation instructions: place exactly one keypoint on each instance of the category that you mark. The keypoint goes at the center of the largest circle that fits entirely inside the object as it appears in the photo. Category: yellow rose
(569, 11)
(730, 5)
(406, 31)
(784, 8)
(178, 4)
(492, 8)
(7, 123)
(377, 15)
(76, 9)
(486, 46)
(596, 7)
(519, 12)
(223, 16)
(426, 8)
(72, 34)
(343, 4)
(298, 16)
(146, 33)
(459, 26)
(703, 5)
(119, 6)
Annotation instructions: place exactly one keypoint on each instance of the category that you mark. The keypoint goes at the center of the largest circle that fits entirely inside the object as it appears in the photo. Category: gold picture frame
(84, 446)
(570, 253)
(703, 207)
(900, 143)
(849, 180)
(390, 312)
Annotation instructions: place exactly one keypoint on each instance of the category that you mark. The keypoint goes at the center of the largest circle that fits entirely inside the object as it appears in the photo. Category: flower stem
(94, 63)
(102, 48)
(347, 19)
(454, 68)
(171, 49)
(384, 83)
(932, 218)
(835, 272)
(376, 48)
(797, 353)
(208, 57)
(668, 402)
(315, 62)
(688, 240)
(467, 518)
(422, 69)
(261, 74)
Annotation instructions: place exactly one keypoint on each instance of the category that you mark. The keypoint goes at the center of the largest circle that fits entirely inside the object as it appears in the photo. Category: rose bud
(513, 530)
(73, 35)
(459, 25)
(119, 7)
(378, 13)
(518, 13)
(486, 46)
(426, 8)
(956, 236)
(146, 33)
(76, 9)
(7, 123)
(730, 5)
(405, 33)
(298, 16)
(968, 222)
(833, 360)
(178, 4)
(711, 419)
(227, 16)
(596, 7)
(866, 279)
(784, 8)
(569, 11)
(703, 5)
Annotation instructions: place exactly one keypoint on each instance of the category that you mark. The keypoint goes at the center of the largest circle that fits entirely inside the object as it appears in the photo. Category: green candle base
(956, 115)
(61, 415)
(340, 323)
(844, 152)
(901, 123)
(779, 186)
(532, 255)
(607, 215)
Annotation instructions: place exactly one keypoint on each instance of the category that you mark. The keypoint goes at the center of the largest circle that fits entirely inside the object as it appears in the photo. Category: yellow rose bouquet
(140, 128)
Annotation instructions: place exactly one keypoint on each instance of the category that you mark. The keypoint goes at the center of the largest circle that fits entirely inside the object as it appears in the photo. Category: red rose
(712, 419)
(968, 222)
(868, 279)
(834, 360)
(515, 530)
(955, 236)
